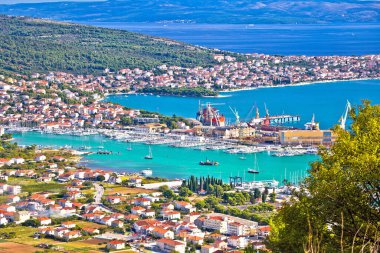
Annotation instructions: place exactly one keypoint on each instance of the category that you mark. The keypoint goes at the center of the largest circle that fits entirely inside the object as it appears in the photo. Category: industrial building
(307, 137)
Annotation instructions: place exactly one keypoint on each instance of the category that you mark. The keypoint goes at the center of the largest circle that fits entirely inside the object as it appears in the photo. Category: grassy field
(38, 187)
(30, 185)
(24, 240)
(20, 181)
(86, 224)
(23, 234)
(3, 199)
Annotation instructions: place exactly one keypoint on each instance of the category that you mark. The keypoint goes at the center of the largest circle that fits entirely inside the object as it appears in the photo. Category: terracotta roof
(115, 242)
(160, 230)
(170, 242)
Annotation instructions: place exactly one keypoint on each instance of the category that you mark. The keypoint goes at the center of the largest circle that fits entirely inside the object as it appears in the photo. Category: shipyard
(210, 131)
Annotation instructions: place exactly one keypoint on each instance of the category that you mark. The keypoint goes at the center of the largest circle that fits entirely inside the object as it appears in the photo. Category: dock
(282, 119)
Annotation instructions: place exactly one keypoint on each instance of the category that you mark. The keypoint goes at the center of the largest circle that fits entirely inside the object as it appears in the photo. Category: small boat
(255, 170)
(208, 162)
(104, 152)
(129, 147)
(149, 155)
(243, 158)
(84, 148)
(147, 172)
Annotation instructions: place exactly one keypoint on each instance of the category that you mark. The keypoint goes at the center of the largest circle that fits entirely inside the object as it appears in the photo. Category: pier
(282, 119)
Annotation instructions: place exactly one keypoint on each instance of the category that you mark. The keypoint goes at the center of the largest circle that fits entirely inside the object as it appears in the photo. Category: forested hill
(35, 45)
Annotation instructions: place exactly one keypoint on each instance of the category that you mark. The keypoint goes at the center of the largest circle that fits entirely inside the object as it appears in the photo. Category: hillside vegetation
(337, 208)
(34, 45)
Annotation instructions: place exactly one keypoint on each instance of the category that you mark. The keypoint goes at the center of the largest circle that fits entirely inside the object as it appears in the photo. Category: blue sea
(326, 101)
(293, 39)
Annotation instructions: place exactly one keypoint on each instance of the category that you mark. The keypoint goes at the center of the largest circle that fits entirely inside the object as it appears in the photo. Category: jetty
(282, 119)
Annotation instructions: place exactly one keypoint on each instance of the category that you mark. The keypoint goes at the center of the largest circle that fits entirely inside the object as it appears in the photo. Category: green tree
(337, 209)
(256, 193)
(200, 204)
(169, 194)
(252, 199)
(272, 197)
(31, 223)
(264, 197)
(100, 178)
(185, 192)
(163, 188)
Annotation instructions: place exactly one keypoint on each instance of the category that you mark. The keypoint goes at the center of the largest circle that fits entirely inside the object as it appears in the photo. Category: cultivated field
(125, 190)
(12, 247)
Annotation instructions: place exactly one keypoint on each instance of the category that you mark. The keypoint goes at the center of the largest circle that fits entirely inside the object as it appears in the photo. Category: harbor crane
(210, 115)
(266, 110)
(236, 114)
(343, 118)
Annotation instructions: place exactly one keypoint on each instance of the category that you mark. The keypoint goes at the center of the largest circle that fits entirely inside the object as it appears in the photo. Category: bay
(170, 162)
(326, 100)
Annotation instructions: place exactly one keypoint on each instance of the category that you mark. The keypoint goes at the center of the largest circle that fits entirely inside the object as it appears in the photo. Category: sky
(43, 1)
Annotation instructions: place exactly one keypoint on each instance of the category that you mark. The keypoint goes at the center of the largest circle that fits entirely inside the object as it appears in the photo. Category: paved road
(99, 193)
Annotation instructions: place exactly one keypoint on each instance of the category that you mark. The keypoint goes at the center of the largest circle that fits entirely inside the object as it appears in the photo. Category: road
(99, 194)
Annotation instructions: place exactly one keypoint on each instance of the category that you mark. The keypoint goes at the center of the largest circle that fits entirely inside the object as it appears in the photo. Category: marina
(129, 147)
(176, 141)
(166, 159)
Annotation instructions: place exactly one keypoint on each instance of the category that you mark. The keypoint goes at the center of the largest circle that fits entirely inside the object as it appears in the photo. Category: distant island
(210, 12)
(87, 59)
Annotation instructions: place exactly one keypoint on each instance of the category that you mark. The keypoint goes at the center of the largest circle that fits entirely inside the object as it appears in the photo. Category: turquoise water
(174, 162)
(326, 100)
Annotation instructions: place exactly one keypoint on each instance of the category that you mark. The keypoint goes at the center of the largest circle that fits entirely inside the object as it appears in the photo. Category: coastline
(297, 84)
(132, 162)
(243, 88)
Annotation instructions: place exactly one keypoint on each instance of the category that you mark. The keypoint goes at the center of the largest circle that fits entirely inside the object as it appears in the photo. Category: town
(47, 199)
(257, 70)
(62, 102)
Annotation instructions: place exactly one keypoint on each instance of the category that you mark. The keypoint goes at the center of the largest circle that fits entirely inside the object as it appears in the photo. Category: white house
(7, 208)
(171, 215)
(3, 221)
(18, 160)
(44, 221)
(237, 242)
(216, 223)
(169, 245)
(116, 245)
(162, 233)
(40, 158)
